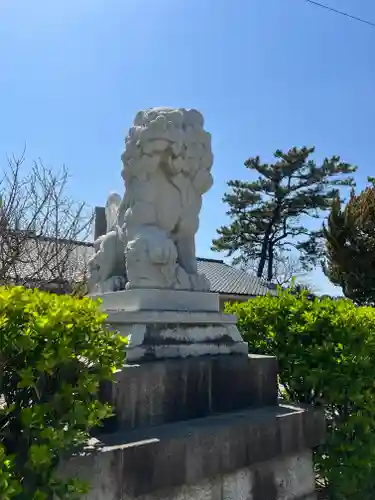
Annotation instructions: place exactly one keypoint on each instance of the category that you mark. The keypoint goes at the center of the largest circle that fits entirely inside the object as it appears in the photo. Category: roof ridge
(206, 259)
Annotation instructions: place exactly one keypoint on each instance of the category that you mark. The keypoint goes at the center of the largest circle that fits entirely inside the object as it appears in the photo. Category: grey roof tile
(227, 279)
(224, 278)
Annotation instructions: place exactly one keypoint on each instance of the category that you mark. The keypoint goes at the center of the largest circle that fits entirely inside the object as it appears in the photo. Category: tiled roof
(226, 279)
(45, 259)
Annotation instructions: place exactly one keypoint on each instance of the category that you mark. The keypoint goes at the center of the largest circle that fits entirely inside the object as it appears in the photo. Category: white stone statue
(107, 270)
(150, 240)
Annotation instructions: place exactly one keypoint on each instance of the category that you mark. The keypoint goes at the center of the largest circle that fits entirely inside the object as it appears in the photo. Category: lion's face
(172, 139)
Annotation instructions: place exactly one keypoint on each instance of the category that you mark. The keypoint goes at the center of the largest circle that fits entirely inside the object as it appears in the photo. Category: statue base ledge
(143, 299)
(118, 317)
(165, 324)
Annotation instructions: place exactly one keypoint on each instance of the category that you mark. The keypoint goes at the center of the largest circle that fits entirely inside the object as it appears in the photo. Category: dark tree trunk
(270, 261)
(266, 241)
(263, 253)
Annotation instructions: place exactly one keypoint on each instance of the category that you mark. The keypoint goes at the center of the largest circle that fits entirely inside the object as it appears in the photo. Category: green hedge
(326, 353)
(54, 352)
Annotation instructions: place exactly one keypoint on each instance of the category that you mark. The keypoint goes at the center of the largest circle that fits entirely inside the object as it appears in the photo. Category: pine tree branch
(267, 213)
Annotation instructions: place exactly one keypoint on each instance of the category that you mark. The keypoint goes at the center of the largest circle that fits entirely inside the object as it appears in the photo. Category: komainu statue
(150, 240)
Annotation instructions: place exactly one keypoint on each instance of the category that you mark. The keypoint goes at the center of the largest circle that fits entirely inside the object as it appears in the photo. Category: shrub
(326, 353)
(54, 352)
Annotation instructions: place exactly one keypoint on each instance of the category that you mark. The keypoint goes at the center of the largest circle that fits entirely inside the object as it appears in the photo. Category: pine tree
(350, 245)
(267, 213)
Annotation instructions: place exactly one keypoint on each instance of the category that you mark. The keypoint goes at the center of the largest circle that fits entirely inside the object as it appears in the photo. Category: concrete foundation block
(236, 456)
(172, 390)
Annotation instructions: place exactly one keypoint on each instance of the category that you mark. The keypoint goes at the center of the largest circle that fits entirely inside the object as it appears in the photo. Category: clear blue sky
(267, 74)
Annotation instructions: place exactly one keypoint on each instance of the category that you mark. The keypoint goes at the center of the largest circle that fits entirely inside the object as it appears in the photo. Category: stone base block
(173, 390)
(159, 300)
(255, 454)
(161, 335)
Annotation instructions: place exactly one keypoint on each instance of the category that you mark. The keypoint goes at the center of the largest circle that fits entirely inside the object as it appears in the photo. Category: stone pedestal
(169, 391)
(196, 417)
(162, 324)
(204, 428)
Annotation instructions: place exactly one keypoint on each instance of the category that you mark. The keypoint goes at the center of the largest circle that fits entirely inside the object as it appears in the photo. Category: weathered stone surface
(294, 476)
(173, 390)
(157, 335)
(159, 300)
(183, 351)
(265, 481)
(150, 240)
(159, 461)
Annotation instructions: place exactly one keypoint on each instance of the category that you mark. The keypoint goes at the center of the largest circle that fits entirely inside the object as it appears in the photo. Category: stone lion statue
(150, 240)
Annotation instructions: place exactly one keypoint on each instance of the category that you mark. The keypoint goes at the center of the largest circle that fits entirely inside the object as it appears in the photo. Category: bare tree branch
(286, 268)
(41, 227)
